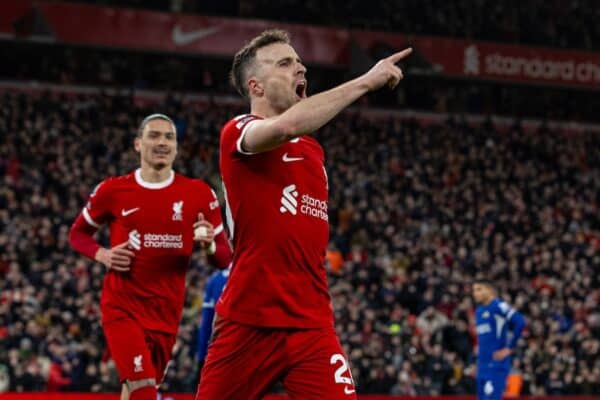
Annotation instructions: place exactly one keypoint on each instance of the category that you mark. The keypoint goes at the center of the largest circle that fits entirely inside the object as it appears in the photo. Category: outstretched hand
(386, 71)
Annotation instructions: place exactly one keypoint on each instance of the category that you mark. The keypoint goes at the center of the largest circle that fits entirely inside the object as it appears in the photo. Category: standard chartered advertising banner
(83, 24)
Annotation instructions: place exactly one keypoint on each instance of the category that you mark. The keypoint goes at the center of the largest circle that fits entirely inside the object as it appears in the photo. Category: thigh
(242, 362)
(160, 345)
(126, 341)
(320, 368)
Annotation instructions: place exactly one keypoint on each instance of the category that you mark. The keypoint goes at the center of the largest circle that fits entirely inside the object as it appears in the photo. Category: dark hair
(152, 117)
(244, 58)
(484, 281)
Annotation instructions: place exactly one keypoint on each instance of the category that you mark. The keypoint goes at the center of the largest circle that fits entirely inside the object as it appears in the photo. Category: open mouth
(301, 89)
(161, 152)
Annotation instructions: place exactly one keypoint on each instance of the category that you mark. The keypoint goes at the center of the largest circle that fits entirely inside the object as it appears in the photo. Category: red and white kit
(141, 308)
(275, 320)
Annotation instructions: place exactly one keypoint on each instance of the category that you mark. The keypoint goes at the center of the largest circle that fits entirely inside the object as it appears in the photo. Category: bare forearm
(303, 118)
(308, 115)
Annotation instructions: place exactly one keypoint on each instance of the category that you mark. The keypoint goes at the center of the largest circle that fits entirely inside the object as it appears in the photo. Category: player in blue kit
(212, 292)
(499, 327)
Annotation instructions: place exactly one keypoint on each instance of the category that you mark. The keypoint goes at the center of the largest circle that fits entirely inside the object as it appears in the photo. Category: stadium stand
(179, 73)
(552, 23)
(417, 208)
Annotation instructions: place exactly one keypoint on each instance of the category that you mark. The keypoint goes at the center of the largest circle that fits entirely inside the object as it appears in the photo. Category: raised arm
(310, 114)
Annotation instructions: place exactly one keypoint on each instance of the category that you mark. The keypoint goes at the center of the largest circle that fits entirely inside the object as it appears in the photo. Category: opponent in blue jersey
(494, 319)
(212, 292)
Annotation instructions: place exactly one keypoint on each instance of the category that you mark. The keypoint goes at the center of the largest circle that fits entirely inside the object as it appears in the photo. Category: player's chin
(163, 158)
(160, 163)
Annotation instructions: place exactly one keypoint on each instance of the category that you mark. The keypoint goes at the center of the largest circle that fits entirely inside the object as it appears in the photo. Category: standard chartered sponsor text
(314, 207)
(540, 68)
(163, 241)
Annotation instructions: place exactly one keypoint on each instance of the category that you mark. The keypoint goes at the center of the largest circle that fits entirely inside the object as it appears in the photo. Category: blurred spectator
(416, 211)
(132, 71)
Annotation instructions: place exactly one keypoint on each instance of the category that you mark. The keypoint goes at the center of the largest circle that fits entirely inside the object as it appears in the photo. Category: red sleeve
(233, 132)
(212, 212)
(81, 237)
(94, 214)
(222, 257)
(97, 211)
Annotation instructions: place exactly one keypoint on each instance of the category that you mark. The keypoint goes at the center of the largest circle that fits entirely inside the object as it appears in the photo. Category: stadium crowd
(147, 71)
(554, 23)
(417, 211)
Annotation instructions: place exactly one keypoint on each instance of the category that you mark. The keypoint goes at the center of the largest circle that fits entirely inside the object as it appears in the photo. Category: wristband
(212, 249)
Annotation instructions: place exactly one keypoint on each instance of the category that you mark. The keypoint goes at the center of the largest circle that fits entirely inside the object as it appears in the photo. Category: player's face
(482, 293)
(158, 144)
(279, 76)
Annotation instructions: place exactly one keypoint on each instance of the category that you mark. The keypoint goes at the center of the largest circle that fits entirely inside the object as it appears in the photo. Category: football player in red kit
(155, 215)
(274, 318)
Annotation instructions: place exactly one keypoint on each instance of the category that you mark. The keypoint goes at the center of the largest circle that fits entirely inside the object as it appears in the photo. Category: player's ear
(255, 87)
(137, 143)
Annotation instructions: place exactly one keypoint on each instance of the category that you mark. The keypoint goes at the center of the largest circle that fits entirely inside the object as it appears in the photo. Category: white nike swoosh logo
(290, 159)
(125, 212)
(181, 38)
(348, 391)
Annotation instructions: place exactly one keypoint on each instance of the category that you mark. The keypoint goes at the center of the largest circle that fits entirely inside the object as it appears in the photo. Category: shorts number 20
(339, 378)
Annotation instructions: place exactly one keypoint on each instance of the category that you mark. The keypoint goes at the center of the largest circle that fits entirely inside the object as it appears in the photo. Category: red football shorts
(138, 353)
(244, 362)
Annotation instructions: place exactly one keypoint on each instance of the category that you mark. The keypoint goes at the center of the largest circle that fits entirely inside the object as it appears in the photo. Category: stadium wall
(189, 396)
(98, 26)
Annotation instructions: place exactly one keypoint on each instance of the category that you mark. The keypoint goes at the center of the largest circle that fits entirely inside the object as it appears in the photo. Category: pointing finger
(400, 55)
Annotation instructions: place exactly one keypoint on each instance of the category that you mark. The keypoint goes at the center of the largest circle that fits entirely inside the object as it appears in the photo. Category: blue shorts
(491, 387)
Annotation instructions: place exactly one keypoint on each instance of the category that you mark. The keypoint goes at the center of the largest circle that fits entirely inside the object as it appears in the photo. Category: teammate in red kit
(275, 320)
(155, 215)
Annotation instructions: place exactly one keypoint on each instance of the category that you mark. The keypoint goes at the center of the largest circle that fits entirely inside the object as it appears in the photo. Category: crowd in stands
(417, 211)
(553, 23)
(145, 71)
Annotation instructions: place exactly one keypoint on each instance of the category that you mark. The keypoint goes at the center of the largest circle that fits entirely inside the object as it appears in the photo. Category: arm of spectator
(308, 115)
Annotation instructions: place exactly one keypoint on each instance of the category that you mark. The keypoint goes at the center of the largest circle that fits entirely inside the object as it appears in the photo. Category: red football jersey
(276, 208)
(157, 220)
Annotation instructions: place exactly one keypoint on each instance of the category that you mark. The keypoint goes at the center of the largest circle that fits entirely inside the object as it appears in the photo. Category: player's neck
(152, 175)
(488, 301)
(263, 109)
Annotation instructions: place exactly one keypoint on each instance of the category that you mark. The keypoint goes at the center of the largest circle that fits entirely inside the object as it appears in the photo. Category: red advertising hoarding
(189, 396)
(91, 25)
